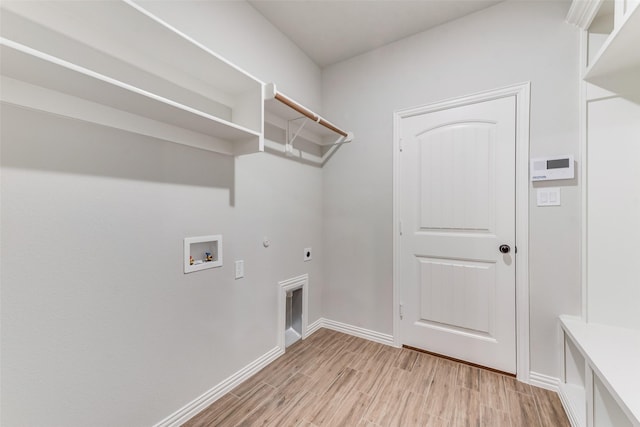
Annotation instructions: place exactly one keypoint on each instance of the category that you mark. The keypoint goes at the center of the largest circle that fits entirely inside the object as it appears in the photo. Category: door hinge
(401, 311)
(400, 145)
(400, 227)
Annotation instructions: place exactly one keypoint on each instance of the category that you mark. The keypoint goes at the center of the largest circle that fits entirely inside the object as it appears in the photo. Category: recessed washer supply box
(202, 252)
(552, 168)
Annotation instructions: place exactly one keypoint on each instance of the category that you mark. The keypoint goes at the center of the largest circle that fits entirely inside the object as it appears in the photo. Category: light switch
(549, 196)
(543, 197)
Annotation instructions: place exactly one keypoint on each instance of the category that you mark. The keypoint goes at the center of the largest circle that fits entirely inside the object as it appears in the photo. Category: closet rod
(271, 89)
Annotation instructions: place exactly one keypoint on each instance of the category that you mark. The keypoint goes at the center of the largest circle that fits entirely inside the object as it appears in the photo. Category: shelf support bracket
(288, 148)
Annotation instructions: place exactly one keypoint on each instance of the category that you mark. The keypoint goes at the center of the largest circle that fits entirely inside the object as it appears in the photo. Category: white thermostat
(550, 168)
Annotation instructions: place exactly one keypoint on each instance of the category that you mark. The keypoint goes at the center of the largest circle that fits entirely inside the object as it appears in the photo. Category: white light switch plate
(239, 269)
(548, 196)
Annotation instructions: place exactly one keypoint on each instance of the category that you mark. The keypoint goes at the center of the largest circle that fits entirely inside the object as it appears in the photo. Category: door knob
(505, 249)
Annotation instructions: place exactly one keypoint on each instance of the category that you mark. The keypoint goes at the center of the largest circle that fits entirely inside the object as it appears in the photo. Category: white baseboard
(313, 327)
(544, 381)
(199, 403)
(356, 331)
(553, 384)
(573, 401)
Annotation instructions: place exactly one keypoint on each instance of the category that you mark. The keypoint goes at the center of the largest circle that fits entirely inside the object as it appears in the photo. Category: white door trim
(522, 93)
(299, 282)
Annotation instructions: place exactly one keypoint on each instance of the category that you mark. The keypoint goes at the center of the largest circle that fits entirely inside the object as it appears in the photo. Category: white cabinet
(113, 63)
(613, 62)
(601, 350)
(619, 52)
(572, 388)
(601, 373)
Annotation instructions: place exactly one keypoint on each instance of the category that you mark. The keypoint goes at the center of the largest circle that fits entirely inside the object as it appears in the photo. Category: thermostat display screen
(557, 164)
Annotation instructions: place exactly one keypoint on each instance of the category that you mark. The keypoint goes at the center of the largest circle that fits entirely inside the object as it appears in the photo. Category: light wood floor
(333, 379)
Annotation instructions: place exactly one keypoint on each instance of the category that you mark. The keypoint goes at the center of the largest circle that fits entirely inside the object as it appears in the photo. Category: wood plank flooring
(333, 379)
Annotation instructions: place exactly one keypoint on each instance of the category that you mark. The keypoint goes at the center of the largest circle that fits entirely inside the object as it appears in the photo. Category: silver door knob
(505, 249)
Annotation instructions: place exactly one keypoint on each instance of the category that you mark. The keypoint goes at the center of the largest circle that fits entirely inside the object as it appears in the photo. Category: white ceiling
(329, 31)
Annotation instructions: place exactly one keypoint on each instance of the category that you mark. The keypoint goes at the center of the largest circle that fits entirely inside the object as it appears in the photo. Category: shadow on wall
(43, 141)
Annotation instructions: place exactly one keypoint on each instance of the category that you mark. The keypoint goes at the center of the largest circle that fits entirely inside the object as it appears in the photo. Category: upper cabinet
(619, 53)
(115, 64)
(613, 32)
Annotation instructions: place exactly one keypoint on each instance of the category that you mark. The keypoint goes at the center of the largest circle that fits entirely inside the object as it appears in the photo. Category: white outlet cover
(307, 254)
(239, 269)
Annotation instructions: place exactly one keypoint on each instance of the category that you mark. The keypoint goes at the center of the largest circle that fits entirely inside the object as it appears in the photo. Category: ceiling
(329, 31)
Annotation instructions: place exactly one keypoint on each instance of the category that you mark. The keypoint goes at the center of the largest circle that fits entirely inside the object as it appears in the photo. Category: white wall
(99, 324)
(613, 211)
(509, 43)
(237, 32)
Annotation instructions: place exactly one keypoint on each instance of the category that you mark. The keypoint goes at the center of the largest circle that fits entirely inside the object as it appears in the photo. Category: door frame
(522, 93)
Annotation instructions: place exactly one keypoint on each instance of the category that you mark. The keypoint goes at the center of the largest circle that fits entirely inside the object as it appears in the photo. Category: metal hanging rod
(272, 93)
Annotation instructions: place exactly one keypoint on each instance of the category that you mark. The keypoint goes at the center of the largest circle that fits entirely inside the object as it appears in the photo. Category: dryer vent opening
(293, 322)
(293, 304)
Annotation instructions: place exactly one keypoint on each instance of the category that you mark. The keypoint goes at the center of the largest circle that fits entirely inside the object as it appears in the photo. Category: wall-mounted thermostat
(550, 168)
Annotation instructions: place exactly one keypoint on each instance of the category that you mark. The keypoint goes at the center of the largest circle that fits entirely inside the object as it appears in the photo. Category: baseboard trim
(544, 381)
(569, 408)
(199, 403)
(553, 384)
(192, 408)
(357, 331)
(313, 327)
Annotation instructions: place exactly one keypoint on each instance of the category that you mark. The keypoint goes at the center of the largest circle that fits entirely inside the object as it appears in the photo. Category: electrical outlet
(307, 254)
(239, 269)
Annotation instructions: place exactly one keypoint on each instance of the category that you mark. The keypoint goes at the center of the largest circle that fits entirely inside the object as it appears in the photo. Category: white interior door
(457, 212)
